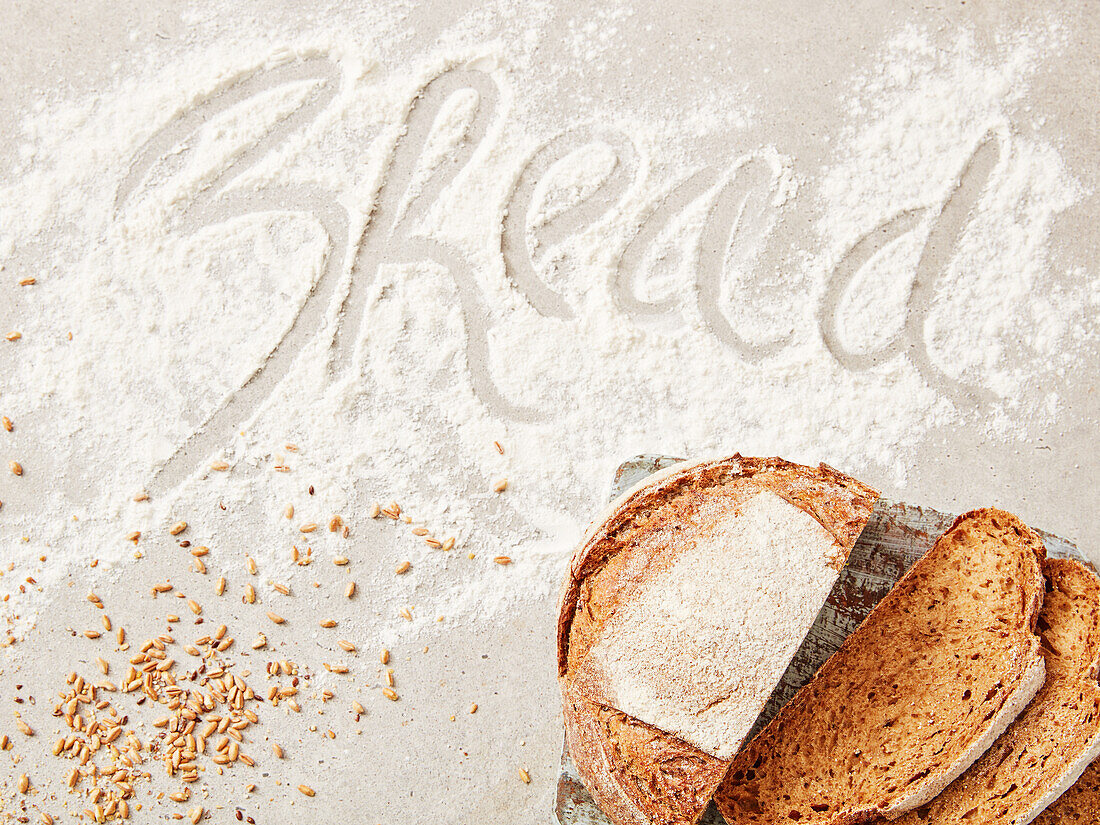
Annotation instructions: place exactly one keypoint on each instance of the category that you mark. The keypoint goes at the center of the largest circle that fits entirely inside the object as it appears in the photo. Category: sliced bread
(1080, 805)
(698, 567)
(1045, 750)
(932, 677)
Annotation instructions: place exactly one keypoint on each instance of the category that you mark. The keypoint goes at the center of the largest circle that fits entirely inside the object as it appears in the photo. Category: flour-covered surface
(392, 236)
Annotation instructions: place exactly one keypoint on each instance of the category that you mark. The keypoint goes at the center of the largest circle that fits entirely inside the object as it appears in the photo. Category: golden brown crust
(1058, 734)
(912, 694)
(839, 502)
(635, 772)
(1080, 805)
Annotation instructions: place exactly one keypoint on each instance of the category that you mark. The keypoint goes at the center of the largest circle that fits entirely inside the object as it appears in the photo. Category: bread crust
(1047, 748)
(1080, 805)
(741, 798)
(619, 757)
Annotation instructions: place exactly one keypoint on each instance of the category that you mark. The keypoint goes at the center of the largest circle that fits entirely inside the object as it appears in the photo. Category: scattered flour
(172, 307)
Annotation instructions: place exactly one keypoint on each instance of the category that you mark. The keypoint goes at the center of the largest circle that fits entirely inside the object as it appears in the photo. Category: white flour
(175, 296)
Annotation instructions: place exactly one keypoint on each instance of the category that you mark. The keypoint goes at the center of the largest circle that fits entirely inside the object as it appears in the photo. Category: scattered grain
(500, 486)
(177, 528)
(403, 568)
(308, 791)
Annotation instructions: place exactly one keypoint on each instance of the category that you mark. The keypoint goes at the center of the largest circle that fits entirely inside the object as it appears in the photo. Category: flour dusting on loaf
(698, 650)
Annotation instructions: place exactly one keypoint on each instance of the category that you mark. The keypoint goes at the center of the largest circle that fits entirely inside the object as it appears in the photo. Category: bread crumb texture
(904, 705)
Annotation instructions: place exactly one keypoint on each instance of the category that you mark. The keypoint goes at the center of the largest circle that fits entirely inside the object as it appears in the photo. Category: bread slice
(1045, 750)
(931, 678)
(696, 569)
(1080, 805)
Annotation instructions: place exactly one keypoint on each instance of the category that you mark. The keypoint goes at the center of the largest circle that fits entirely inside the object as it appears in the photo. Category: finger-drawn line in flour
(948, 222)
(519, 262)
(737, 213)
(632, 260)
(389, 236)
(214, 204)
(738, 217)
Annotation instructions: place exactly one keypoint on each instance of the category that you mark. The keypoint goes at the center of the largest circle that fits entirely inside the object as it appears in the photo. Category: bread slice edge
(1032, 681)
(1068, 780)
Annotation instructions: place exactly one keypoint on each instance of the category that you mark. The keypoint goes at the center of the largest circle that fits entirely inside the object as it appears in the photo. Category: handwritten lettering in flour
(739, 205)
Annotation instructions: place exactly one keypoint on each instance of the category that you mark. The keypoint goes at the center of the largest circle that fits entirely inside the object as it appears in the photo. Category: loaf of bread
(1045, 750)
(932, 677)
(697, 568)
